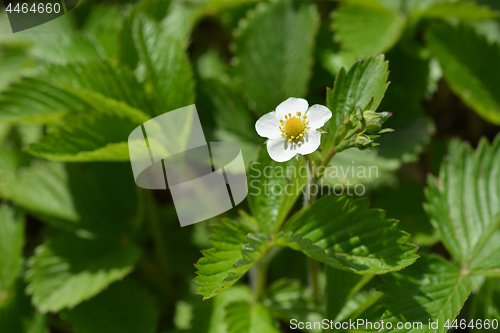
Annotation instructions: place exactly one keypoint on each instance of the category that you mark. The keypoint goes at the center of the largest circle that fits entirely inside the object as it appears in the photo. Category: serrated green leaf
(462, 10)
(11, 246)
(367, 27)
(244, 317)
(114, 81)
(274, 46)
(273, 189)
(463, 204)
(67, 270)
(67, 48)
(122, 308)
(431, 289)
(356, 87)
(34, 99)
(235, 250)
(42, 100)
(466, 59)
(164, 64)
(98, 134)
(356, 238)
(17, 314)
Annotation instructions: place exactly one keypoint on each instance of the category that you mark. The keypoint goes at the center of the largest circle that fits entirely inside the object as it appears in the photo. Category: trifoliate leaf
(367, 27)
(463, 204)
(67, 270)
(466, 59)
(249, 317)
(235, 250)
(432, 289)
(273, 189)
(11, 246)
(122, 308)
(165, 65)
(355, 238)
(274, 46)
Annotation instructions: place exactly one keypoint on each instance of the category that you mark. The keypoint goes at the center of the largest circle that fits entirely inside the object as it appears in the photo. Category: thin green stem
(258, 274)
(313, 265)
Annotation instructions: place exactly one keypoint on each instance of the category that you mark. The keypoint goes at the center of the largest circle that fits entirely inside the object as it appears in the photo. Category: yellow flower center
(293, 127)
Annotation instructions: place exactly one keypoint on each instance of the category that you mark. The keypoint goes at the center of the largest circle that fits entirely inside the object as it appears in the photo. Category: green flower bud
(362, 142)
(373, 121)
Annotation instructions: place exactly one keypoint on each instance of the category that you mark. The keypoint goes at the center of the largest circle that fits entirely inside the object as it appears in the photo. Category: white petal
(268, 126)
(281, 150)
(311, 142)
(292, 105)
(317, 116)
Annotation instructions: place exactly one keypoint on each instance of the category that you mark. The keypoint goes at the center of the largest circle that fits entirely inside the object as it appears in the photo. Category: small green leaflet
(232, 256)
(431, 289)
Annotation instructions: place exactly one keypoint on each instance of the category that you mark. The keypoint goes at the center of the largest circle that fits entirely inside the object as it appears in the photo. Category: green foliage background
(83, 249)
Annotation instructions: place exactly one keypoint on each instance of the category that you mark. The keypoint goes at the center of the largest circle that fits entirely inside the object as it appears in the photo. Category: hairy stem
(258, 274)
(313, 265)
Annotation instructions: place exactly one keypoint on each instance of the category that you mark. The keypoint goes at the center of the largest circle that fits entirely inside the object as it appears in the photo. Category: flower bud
(362, 142)
(373, 121)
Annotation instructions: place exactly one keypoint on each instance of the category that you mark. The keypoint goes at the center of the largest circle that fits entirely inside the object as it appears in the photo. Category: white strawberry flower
(293, 128)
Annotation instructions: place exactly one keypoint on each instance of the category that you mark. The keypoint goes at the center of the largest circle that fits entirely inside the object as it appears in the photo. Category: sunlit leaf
(274, 52)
